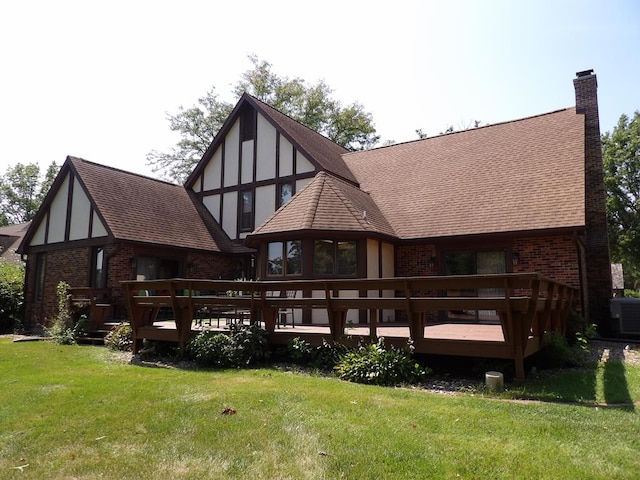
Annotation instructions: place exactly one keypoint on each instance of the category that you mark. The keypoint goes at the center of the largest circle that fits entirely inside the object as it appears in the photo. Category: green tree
(621, 157)
(312, 105)
(22, 190)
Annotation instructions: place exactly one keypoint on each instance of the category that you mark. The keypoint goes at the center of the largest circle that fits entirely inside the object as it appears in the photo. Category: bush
(11, 296)
(120, 338)
(324, 357)
(558, 353)
(243, 346)
(374, 364)
(64, 330)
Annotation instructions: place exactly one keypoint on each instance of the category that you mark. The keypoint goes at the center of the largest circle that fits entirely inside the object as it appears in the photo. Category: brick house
(272, 199)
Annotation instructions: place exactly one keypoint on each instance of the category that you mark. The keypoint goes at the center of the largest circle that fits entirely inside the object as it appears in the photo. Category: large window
(152, 268)
(246, 210)
(337, 258)
(285, 258)
(472, 263)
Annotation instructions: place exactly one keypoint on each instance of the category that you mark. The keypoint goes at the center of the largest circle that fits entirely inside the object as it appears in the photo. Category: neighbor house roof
(525, 174)
(318, 149)
(326, 204)
(10, 238)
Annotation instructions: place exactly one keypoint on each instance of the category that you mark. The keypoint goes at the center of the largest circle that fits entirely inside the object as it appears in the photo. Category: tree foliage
(312, 105)
(621, 157)
(22, 190)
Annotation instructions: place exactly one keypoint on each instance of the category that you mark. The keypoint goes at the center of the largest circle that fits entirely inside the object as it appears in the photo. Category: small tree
(11, 296)
(621, 158)
(22, 190)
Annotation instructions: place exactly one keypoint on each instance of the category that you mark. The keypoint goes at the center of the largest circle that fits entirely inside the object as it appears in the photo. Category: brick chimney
(597, 271)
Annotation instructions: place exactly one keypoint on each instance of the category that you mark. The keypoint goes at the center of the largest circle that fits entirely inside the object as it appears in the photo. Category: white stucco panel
(303, 165)
(212, 202)
(247, 161)
(230, 214)
(98, 229)
(266, 150)
(303, 182)
(213, 171)
(38, 237)
(80, 213)
(58, 213)
(286, 157)
(232, 155)
(265, 203)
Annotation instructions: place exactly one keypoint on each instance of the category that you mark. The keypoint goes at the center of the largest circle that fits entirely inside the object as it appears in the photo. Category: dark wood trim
(277, 153)
(46, 227)
(257, 184)
(90, 226)
(67, 223)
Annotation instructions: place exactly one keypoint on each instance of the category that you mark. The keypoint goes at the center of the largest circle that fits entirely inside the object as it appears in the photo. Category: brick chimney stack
(597, 271)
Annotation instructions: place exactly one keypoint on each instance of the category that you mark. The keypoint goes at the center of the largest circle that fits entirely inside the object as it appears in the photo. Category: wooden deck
(527, 305)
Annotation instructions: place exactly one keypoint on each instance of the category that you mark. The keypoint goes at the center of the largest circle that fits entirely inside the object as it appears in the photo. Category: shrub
(64, 330)
(299, 351)
(376, 365)
(243, 346)
(11, 296)
(327, 355)
(120, 338)
(558, 353)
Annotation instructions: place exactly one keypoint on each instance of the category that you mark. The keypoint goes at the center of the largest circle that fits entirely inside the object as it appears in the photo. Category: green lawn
(75, 412)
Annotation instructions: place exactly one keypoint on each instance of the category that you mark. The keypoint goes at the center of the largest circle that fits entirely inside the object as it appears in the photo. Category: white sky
(95, 79)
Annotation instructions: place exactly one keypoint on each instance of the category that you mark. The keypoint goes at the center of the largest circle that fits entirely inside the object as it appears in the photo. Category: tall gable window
(248, 124)
(98, 274)
(41, 262)
(285, 192)
(335, 258)
(285, 258)
(246, 210)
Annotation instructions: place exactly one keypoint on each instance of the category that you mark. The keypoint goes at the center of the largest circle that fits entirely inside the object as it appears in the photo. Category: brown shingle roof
(141, 209)
(526, 174)
(328, 203)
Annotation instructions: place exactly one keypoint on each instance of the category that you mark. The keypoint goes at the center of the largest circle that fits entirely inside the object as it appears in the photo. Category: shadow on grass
(579, 385)
(614, 379)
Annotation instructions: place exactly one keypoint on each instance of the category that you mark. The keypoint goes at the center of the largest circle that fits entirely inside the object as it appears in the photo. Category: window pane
(98, 277)
(294, 258)
(40, 275)
(347, 258)
(286, 192)
(323, 257)
(246, 213)
(274, 266)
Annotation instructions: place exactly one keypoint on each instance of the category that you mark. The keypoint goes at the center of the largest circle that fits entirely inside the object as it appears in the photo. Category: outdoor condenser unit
(626, 315)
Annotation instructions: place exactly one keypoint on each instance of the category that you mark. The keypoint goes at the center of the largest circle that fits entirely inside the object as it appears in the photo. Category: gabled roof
(326, 204)
(10, 238)
(318, 149)
(525, 174)
(145, 210)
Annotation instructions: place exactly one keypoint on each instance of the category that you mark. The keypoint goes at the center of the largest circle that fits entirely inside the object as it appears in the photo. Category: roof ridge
(441, 135)
(318, 185)
(348, 203)
(293, 119)
(74, 159)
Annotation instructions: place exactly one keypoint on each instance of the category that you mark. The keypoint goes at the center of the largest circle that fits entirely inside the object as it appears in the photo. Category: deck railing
(527, 305)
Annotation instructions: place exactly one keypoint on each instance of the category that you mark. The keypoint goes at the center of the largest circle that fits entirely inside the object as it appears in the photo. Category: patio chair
(284, 312)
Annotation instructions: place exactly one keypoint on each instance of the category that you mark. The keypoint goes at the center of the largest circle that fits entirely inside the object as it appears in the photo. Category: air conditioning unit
(626, 314)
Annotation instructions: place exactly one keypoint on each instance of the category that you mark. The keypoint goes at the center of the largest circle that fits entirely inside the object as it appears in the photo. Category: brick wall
(73, 266)
(70, 265)
(555, 257)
